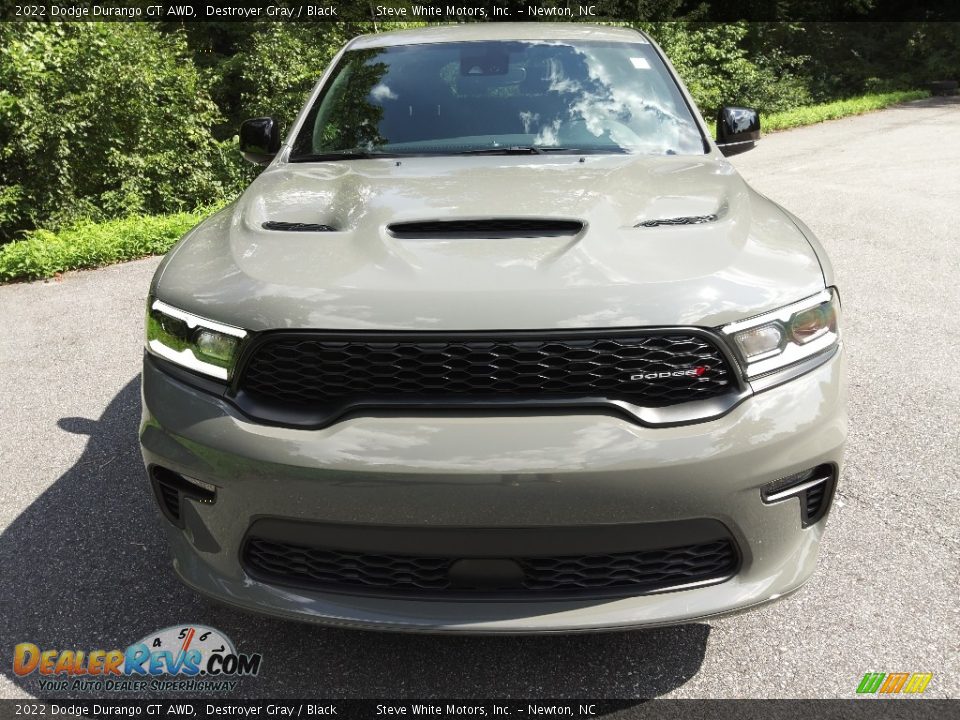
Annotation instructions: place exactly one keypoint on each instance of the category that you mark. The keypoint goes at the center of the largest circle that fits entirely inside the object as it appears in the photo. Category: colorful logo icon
(892, 683)
(184, 651)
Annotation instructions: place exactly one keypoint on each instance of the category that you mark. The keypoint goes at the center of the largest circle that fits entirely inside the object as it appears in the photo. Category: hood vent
(489, 228)
(296, 226)
(693, 220)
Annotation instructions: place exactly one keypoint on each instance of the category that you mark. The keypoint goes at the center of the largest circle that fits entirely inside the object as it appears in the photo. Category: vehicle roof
(467, 32)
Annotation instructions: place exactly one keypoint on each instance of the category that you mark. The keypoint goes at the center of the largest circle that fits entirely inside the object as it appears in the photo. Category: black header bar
(477, 11)
(218, 709)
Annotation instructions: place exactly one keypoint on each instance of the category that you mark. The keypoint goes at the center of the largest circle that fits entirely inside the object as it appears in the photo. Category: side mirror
(738, 129)
(259, 140)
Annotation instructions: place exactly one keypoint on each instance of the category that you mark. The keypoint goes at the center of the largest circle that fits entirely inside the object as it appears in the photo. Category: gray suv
(498, 341)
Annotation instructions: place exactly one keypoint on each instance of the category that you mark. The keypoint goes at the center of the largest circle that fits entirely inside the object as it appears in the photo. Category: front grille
(619, 573)
(328, 373)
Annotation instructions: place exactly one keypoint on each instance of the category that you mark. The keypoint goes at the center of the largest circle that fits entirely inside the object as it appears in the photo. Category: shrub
(280, 67)
(86, 244)
(101, 120)
(714, 62)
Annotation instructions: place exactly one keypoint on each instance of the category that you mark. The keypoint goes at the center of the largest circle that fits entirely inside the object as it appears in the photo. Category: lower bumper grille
(618, 573)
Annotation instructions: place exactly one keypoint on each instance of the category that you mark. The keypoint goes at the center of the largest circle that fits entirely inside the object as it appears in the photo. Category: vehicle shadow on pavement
(85, 567)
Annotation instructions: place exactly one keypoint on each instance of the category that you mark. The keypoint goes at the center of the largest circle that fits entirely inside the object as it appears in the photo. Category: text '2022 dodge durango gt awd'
(499, 341)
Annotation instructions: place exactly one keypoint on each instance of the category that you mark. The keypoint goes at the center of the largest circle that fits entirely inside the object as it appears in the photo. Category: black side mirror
(259, 140)
(738, 129)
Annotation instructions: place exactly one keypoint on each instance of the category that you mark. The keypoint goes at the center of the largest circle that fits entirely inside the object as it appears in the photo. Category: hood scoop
(693, 220)
(296, 226)
(486, 228)
(686, 219)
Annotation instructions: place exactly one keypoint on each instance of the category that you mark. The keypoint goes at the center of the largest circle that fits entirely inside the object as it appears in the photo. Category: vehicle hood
(613, 273)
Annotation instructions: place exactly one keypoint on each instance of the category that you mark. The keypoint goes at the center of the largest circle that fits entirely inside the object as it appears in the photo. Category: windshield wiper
(541, 149)
(516, 150)
(355, 154)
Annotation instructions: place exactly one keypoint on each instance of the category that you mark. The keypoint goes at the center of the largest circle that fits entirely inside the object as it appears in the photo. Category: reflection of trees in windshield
(355, 122)
(602, 97)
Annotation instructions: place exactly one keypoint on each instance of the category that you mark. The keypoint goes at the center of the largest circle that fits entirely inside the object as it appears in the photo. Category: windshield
(487, 96)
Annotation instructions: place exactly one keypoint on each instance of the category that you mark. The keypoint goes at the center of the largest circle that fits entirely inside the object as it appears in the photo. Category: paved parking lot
(84, 564)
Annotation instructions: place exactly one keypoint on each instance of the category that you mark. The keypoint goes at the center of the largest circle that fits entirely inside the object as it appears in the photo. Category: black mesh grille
(327, 373)
(621, 573)
(489, 228)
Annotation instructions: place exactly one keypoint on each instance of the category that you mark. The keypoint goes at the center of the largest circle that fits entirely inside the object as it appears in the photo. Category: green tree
(99, 120)
(718, 67)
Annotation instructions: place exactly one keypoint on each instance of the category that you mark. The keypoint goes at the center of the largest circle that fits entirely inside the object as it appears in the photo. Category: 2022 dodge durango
(498, 341)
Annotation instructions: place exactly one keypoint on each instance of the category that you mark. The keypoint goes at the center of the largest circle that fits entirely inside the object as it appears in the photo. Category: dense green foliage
(104, 120)
(718, 67)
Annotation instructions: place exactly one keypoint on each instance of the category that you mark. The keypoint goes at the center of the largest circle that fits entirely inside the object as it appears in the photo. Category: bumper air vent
(814, 488)
(815, 500)
(171, 488)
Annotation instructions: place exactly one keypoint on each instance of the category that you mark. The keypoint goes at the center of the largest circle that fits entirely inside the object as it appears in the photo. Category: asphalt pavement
(84, 564)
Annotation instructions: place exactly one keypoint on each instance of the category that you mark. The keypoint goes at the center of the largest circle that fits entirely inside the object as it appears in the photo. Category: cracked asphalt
(84, 564)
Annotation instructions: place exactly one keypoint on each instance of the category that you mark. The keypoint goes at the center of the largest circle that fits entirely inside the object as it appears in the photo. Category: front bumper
(531, 471)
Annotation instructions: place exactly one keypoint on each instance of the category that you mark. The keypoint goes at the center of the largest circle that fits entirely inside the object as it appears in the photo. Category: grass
(44, 254)
(812, 114)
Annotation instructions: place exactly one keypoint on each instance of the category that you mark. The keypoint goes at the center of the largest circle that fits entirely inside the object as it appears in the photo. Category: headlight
(203, 346)
(786, 336)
